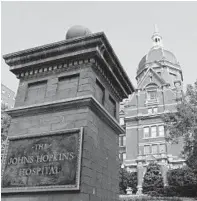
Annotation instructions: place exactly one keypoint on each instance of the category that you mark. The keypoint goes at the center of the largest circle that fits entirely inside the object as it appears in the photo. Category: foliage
(153, 181)
(182, 182)
(127, 179)
(132, 181)
(122, 180)
(183, 123)
(5, 123)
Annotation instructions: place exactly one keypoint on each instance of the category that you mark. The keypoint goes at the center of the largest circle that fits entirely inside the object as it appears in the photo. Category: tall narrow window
(153, 131)
(120, 140)
(146, 149)
(120, 157)
(67, 86)
(146, 132)
(122, 121)
(112, 106)
(124, 156)
(154, 148)
(36, 92)
(161, 131)
(100, 92)
(155, 110)
(124, 140)
(149, 110)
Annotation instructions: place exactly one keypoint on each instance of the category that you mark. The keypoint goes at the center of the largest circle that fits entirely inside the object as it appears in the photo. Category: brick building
(159, 86)
(7, 96)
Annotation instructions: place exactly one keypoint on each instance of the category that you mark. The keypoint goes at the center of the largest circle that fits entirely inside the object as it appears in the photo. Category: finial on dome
(156, 37)
(156, 29)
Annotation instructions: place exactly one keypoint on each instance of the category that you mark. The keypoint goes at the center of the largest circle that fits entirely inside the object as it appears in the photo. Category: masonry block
(64, 86)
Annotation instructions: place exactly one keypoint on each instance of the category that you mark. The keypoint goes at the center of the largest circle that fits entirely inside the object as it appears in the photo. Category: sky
(127, 25)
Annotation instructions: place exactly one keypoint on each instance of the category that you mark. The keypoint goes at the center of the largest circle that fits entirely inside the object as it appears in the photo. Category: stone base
(139, 190)
(129, 191)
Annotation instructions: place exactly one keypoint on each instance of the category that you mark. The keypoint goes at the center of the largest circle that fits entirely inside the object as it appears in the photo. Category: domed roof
(77, 31)
(157, 54)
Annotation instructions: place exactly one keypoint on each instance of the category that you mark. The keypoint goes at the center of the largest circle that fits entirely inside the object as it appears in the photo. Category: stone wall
(62, 85)
(99, 175)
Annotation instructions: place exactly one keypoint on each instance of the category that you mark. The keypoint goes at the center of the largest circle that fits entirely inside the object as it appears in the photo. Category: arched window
(151, 91)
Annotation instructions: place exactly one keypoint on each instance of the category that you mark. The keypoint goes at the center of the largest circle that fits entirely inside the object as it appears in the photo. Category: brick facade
(159, 87)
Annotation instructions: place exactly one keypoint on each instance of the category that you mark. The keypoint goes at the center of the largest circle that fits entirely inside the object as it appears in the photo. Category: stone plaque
(43, 162)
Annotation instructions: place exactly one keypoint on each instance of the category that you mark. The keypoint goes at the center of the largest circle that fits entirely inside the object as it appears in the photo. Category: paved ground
(127, 197)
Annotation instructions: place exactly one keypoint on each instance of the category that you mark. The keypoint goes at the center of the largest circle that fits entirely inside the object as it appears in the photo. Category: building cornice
(65, 52)
(72, 103)
(148, 116)
(145, 116)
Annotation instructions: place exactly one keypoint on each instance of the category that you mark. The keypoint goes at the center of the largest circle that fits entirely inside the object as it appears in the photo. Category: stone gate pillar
(140, 177)
(164, 170)
(63, 137)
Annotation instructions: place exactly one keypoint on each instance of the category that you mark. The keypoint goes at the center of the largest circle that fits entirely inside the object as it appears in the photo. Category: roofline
(60, 50)
(176, 66)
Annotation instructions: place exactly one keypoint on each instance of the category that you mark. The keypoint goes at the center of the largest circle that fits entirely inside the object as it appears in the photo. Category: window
(162, 148)
(152, 95)
(146, 149)
(67, 86)
(100, 92)
(149, 110)
(36, 91)
(112, 106)
(153, 131)
(152, 110)
(161, 131)
(122, 121)
(154, 149)
(155, 110)
(146, 132)
(124, 156)
(122, 141)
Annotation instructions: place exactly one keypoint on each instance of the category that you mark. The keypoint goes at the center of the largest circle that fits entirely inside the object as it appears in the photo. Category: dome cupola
(157, 53)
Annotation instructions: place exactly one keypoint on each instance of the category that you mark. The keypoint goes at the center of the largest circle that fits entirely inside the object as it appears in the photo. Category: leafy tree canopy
(5, 123)
(127, 179)
(183, 123)
(153, 180)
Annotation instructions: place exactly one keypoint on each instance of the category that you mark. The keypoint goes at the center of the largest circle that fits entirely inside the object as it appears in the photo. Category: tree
(5, 123)
(183, 123)
(132, 181)
(153, 181)
(122, 180)
(182, 182)
(127, 179)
